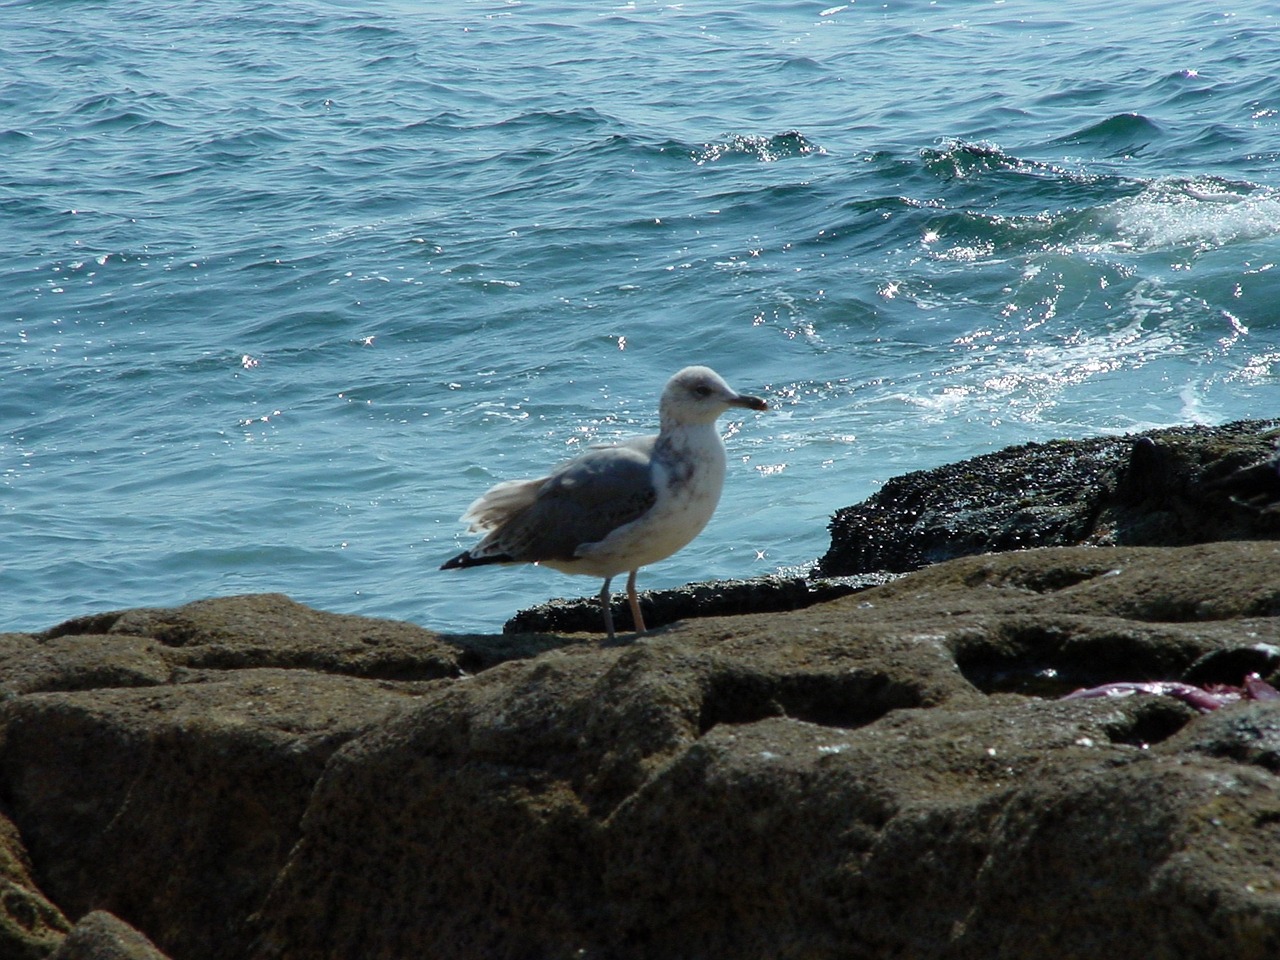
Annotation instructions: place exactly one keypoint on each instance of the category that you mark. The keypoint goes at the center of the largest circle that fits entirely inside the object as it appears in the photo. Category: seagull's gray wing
(581, 502)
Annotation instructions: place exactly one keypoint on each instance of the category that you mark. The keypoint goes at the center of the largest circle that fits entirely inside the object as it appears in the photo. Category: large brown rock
(841, 781)
(890, 774)
(145, 647)
(160, 760)
(174, 806)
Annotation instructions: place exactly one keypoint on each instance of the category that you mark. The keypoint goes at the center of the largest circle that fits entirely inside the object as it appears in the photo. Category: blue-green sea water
(287, 283)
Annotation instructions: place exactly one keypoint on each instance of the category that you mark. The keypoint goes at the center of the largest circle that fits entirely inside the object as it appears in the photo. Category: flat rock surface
(888, 774)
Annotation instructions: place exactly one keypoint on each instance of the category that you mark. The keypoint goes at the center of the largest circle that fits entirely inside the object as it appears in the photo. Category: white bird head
(699, 395)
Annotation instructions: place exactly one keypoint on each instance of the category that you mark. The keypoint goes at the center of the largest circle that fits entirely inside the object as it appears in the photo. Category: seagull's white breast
(688, 477)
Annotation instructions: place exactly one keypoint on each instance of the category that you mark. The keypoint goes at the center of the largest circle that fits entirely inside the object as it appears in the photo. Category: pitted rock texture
(889, 774)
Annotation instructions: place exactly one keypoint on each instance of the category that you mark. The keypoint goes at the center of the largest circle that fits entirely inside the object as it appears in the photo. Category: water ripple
(286, 284)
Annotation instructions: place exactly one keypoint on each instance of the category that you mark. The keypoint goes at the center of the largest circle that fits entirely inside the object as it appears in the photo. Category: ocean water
(286, 284)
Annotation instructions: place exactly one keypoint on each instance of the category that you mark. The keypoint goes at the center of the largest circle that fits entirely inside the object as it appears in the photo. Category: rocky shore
(873, 762)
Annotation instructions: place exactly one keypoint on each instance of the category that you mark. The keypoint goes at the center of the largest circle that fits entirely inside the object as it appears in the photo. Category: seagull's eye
(702, 390)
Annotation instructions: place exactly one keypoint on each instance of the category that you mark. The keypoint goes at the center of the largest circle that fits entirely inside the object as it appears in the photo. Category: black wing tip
(465, 559)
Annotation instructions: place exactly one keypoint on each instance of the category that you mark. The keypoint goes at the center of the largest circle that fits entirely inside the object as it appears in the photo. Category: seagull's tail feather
(465, 559)
(500, 503)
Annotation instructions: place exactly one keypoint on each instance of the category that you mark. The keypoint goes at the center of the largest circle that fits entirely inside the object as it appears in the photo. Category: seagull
(616, 507)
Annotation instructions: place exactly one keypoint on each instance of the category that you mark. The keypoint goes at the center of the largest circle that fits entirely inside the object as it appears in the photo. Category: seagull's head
(699, 395)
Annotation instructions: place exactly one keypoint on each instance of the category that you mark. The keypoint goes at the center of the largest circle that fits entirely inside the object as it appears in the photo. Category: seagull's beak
(751, 403)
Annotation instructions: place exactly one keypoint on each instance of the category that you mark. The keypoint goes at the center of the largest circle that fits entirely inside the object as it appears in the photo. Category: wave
(780, 146)
(958, 159)
(1199, 214)
(557, 121)
(1125, 134)
(1009, 200)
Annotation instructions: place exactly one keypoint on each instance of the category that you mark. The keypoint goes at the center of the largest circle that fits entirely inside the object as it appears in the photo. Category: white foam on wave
(1202, 214)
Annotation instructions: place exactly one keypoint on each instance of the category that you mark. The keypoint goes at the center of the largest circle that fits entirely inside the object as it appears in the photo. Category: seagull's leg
(606, 605)
(635, 601)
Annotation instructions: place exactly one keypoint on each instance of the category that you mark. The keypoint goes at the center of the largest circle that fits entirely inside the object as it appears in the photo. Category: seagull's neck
(699, 440)
(689, 464)
(672, 427)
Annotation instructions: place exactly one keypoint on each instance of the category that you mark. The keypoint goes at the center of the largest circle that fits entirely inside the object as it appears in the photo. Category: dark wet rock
(888, 774)
(1171, 487)
(712, 598)
(102, 936)
(1166, 488)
